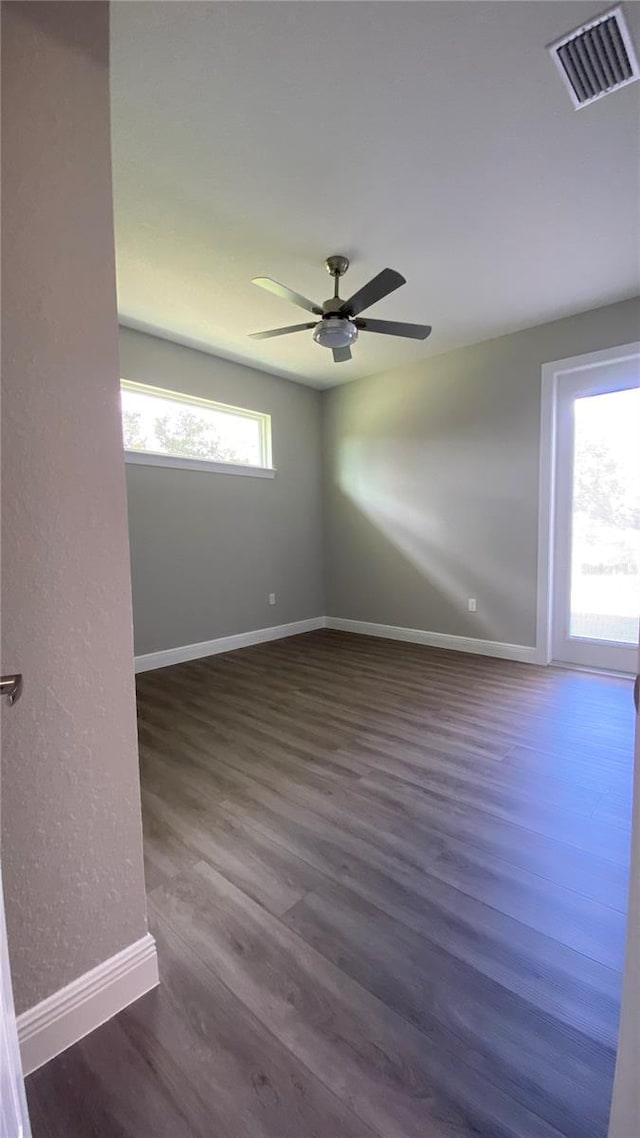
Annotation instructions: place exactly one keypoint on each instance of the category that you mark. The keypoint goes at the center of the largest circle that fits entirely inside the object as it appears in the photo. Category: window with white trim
(169, 428)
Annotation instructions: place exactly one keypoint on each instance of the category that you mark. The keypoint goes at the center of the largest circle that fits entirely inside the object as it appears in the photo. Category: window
(167, 428)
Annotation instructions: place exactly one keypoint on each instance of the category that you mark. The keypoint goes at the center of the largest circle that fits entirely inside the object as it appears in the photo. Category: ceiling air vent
(596, 58)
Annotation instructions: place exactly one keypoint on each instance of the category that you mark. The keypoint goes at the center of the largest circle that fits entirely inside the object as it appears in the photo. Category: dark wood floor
(388, 886)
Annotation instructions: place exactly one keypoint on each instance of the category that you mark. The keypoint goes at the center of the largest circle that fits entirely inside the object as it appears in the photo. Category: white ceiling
(256, 138)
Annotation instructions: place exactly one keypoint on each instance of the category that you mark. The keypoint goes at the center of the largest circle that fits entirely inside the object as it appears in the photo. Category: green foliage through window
(159, 422)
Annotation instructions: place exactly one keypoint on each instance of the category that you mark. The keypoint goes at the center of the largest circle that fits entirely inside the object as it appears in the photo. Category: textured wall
(431, 482)
(207, 549)
(71, 834)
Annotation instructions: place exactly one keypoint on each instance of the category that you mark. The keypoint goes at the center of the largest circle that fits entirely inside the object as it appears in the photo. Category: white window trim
(179, 462)
(150, 458)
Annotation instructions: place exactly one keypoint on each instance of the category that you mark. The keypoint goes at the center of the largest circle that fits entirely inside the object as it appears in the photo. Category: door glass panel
(605, 554)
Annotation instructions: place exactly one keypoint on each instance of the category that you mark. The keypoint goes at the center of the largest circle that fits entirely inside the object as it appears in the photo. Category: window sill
(146, 458)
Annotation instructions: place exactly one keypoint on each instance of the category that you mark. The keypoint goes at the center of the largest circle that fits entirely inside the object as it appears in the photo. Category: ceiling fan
(340, 320)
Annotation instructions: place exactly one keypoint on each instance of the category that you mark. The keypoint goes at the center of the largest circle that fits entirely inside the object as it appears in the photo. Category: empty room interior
(320, 569)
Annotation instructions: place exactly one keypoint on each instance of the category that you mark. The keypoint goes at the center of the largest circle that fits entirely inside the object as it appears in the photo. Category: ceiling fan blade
(341, 355)
(395, 328)
(281, 331)
(377, 288)
(287, 294)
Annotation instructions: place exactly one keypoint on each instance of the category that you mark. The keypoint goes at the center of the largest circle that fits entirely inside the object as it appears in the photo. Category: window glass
(168, 423)
(605, 556)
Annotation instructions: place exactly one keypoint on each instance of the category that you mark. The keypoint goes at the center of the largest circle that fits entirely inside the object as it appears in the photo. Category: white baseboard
(71, 1013)
(225, 644)
(522, 652)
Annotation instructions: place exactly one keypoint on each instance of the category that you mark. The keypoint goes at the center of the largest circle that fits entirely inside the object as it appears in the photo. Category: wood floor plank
(165, 852)
(599, 872)
(495, 1028)
(575, 988)
(263, 870)
(214, 1071)
(105, 1086)
(195, 1030)
(179, 724)
(560, 823)
(354, 1043)
(388, 885)
(464, 774)
(580, 923)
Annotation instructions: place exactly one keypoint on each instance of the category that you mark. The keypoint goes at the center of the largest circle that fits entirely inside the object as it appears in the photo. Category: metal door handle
(636, 692)
(11, 686)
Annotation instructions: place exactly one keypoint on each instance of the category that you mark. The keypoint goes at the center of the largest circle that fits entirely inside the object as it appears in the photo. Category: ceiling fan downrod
(336, 266)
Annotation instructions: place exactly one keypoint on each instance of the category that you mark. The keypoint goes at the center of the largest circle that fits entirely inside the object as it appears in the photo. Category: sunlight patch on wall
(389, 481)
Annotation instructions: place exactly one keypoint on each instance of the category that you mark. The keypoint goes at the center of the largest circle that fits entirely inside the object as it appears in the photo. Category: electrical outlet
(272, 598)
(471, 604)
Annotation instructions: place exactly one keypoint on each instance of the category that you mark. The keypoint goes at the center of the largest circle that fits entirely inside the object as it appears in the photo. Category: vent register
(596, 58)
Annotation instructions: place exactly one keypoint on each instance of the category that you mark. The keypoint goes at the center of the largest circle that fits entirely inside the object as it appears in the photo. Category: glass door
(597, 531)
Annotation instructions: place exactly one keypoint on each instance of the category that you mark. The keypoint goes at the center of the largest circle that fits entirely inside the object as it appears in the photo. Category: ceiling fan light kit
(335, 332)
(339, 324)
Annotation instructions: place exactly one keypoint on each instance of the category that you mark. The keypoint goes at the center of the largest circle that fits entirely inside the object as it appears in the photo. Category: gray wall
(71, 826)
(207, 549)
(431, 482)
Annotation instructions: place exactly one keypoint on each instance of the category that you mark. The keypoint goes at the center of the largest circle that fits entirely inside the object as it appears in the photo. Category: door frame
(625, 1103)
(14, 1112)
(551, 375)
